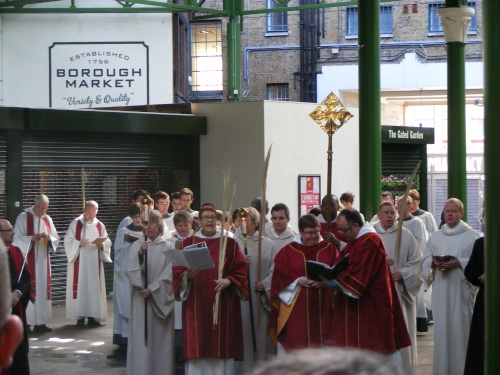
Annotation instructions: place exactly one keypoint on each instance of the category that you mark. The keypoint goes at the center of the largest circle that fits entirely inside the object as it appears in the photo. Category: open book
(99, 240)
(314, 269)
(130, 237)
(194, 256)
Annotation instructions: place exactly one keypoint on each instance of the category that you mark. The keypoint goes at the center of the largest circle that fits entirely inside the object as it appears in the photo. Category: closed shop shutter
(3, 179)
(114, 166)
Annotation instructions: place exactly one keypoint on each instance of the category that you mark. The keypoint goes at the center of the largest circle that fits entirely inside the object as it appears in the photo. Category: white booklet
(194, 256)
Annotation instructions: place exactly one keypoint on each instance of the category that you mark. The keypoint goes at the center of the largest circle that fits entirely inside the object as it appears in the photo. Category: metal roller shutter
(3, 179)
(115, 165)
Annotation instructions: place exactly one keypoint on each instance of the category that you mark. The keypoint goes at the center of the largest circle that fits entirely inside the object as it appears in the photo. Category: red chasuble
(307, 322)
(374, 320)
(200, 338)
(333, 226)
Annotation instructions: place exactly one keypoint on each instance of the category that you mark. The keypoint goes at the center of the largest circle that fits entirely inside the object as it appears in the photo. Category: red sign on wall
(309, 193)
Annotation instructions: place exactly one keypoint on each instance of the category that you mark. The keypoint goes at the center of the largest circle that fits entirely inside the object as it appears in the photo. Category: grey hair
(42, 198)
(91, 204)
(331, 361)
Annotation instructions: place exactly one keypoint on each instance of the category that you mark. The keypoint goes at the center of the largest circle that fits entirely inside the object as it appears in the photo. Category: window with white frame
(206, 56)
(386, 26)
(277, 22)
(277, 91)
(386, 19)
(435, 22)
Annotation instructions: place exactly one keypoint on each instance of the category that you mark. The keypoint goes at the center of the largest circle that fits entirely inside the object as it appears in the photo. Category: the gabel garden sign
(100, 74)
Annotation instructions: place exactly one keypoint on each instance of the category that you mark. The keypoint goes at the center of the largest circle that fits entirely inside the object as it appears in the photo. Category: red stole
(76, 263)
(30, 229)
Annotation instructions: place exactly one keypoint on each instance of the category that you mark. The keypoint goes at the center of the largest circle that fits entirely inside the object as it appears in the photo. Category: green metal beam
(491, 10)
(101, 121)
(21, 6)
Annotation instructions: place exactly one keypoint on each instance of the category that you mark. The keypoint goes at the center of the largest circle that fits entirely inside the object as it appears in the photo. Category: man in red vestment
(20, 295)
(207, 346)
(368, 313)
(302, 309)
(11, 327)
(332, 235)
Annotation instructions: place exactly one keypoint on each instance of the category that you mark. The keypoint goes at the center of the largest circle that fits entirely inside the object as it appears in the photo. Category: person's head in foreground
(331, 361)
(11, 327)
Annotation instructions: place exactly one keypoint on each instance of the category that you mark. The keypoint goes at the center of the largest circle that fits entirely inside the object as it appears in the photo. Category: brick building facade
(281, 53)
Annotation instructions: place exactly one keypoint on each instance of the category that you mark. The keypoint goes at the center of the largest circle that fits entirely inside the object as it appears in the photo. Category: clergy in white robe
(157, 357)
(35, 224)
(259, 289)
(87, 246)
(417, 227)
(452, 295)
(277, 229)
(406, 272)
(121, 286)
(425, 216)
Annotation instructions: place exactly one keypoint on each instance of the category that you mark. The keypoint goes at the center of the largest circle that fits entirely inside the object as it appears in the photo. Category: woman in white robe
(157, 356)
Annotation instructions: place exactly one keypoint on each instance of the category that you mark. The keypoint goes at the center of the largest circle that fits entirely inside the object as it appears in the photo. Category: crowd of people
(250, 298)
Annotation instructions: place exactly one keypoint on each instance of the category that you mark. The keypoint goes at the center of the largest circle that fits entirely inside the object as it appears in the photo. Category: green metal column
(491, 12)
(370, 142)
(457, 154)
(234, 7)
(457, 140)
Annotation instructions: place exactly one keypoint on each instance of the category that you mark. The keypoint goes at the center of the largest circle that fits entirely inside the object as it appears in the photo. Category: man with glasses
(302, 309)
(367, 312)
(36, 233)
(212, 350)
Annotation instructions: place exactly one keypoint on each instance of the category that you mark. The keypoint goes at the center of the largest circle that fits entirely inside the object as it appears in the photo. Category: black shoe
(422, 325)
(42, 328)
(80, 322)
(93, 323)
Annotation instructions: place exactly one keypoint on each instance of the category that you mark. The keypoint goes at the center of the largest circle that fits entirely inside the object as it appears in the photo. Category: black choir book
(314, 269)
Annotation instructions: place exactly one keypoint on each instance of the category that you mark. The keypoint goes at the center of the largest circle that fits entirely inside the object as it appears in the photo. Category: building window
(352, 20)
(435, 22)
(206, 56)
(277, 22)
(277, 91)
(385, 20)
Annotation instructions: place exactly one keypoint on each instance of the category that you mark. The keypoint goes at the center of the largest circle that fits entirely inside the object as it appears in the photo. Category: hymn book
(99, 241)
(314, 269)
(194, 256)
(130, 237)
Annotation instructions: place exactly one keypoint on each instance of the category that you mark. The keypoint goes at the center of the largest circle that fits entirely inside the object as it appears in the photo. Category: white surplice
(157, 357)
(409, 261)
(90, 299)
(452, 297)
(41, 311)
(121, 286)
(280, 240)
(264, 345)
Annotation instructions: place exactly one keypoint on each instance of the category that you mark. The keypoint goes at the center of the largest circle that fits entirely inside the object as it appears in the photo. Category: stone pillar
(455, 22)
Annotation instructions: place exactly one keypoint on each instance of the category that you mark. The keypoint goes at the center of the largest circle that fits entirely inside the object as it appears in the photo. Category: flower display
(398, 182)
